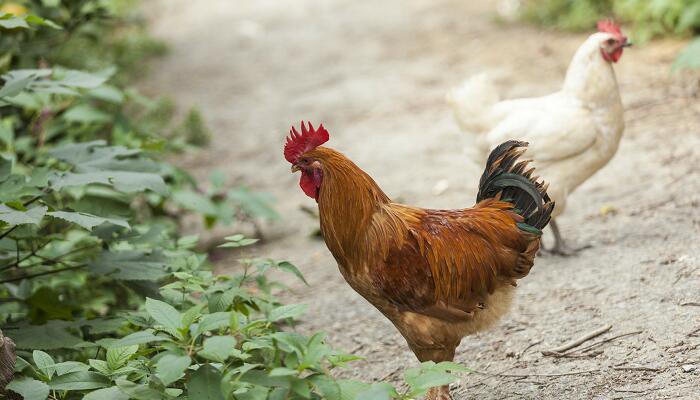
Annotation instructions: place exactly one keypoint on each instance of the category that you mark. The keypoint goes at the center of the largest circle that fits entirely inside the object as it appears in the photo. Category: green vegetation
(648, 19)
(101, 294)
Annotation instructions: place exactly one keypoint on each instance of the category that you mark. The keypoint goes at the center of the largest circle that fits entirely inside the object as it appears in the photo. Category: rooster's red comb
(298, 144)
(609, 26)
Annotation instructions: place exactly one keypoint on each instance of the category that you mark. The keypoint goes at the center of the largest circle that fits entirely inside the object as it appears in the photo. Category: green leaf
(9, 21)
(29, 388)
(212, 322)
(18, 80)
(171, 367)
(5, 166)
(125, 181)
(79, 381)
(107, 93)
(166, 315)
(52, 335)
(255, 204)
(67, 367)
(287, 311)
(16, 217)
(100, 366)
(238, 241)
(118, 356)
(205, 384)
(690, 56)
(44, 362)
(377, 391)
(130, 265)
(289, 267)
(137, 391)
(326, 385)
(218, 348)
(195, 202)
(86, 114)
(87, 221)
(80, 79)
(110, 393)
(430, 374)
(136, 338)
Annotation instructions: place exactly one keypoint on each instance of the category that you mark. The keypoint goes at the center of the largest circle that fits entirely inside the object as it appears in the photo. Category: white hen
(572, 133)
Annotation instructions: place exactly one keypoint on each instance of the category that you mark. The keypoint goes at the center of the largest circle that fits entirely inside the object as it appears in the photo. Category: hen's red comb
(609, 26)
(298, 144)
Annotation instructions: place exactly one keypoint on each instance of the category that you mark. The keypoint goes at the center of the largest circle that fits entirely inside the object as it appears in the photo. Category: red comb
(298, 144)
(609, 26)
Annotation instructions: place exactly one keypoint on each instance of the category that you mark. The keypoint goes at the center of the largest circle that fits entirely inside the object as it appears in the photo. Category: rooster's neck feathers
(347, 200)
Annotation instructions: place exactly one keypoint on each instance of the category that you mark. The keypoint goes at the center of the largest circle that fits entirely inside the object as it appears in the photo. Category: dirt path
(376, 73)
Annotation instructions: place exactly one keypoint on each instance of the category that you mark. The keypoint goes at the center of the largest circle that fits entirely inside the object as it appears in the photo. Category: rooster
(438, 275)
(573, 133)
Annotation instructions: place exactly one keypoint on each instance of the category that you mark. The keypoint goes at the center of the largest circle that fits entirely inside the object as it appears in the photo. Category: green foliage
(206, 337)
(647, 19)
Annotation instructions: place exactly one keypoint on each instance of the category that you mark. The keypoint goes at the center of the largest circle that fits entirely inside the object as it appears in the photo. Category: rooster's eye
(610, 41)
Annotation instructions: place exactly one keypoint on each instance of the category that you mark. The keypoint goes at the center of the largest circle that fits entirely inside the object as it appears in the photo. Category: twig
(488, 376)
(589, 371)
(598, 343)
(387, 376)
(691, 303)
(557, 351)
(531, 345)
(641, 368)
(53, 271)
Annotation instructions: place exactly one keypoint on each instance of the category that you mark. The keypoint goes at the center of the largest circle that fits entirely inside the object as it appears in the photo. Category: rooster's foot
(439, 393)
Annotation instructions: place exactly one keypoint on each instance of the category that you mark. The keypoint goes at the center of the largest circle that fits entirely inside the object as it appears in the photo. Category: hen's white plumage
(572, 133)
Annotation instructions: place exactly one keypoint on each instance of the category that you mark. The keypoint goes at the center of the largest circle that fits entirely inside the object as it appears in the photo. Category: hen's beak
(295, 168)
(627, 44)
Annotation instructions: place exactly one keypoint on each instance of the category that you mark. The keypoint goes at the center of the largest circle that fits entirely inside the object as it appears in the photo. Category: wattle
(310, 183)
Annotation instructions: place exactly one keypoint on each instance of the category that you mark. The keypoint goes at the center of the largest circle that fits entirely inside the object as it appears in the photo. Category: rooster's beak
(627, 44)
(295, 168)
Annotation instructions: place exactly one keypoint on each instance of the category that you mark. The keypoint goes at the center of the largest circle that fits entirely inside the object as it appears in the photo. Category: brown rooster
(438, 275)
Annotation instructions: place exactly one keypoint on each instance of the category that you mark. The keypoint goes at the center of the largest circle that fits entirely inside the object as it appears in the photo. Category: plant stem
(53, 271)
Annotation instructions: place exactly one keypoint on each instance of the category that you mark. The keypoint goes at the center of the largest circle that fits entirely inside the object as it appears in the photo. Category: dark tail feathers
(509, 179)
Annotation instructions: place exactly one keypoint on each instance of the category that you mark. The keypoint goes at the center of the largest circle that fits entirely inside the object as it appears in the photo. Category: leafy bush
(648, 19)
(210, 337)
(101, 295)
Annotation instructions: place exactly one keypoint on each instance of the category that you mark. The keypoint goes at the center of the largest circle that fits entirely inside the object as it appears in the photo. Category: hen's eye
(610, 41)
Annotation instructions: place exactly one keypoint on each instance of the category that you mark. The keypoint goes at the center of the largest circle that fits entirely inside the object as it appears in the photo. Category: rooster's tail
(470, 102)
(511, 180)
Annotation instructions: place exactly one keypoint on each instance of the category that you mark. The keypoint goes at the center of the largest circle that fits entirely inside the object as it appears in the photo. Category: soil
(376, 73)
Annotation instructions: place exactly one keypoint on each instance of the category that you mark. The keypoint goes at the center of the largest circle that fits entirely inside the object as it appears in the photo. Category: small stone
(689, 367)
(510, 354)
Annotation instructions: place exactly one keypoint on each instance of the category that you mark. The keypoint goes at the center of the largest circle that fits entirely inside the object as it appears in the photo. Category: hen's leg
(437, 355)
(560, 247)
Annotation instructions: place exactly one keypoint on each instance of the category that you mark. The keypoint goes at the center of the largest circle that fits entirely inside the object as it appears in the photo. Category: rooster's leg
(560, 247)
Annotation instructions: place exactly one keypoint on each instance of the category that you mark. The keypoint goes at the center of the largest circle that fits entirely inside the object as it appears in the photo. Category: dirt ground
(375, 73)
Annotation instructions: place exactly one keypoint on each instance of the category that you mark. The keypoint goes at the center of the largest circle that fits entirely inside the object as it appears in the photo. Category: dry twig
(598, 343)
(588, 371)
(558, 351)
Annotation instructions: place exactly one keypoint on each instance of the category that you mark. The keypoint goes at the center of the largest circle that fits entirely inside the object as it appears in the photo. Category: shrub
(648, 19)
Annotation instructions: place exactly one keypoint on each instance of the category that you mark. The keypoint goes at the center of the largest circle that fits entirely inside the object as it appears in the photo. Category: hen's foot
(439, 393)
(564, 250)
(560, 247)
